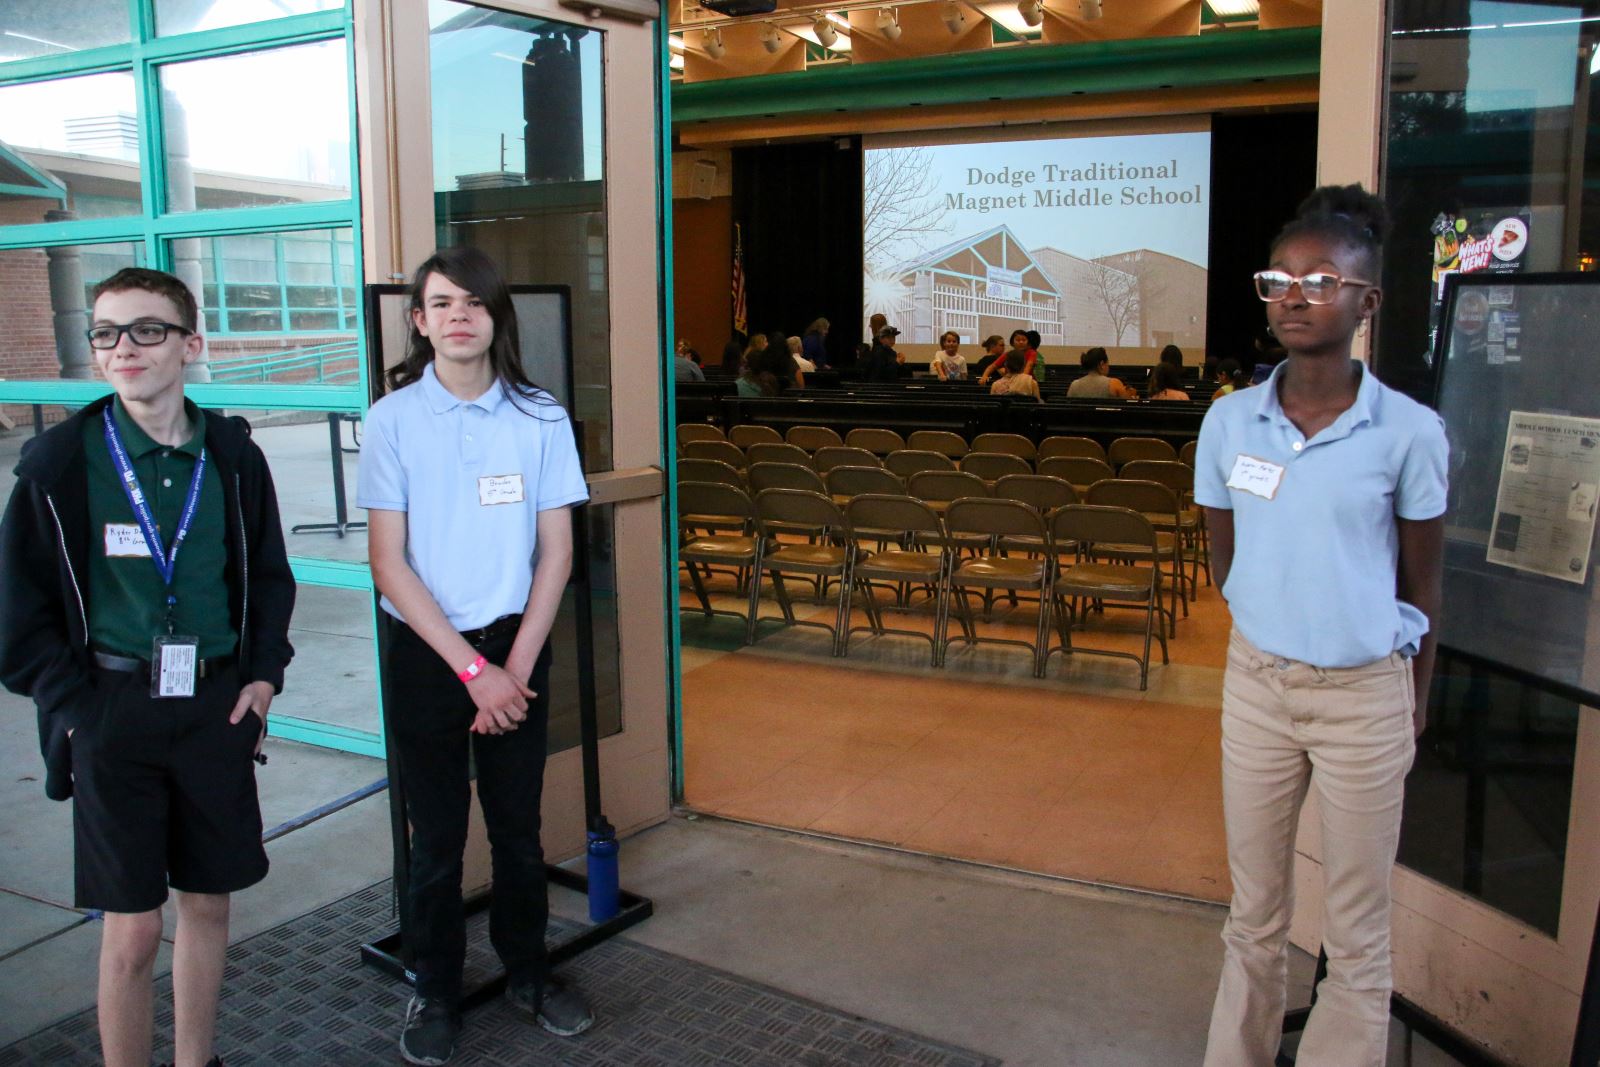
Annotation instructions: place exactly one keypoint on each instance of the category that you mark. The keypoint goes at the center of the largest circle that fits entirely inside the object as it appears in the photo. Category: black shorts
(164, 793)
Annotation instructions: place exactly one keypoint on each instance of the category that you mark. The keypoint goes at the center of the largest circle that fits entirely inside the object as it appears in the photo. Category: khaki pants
(1347, 732)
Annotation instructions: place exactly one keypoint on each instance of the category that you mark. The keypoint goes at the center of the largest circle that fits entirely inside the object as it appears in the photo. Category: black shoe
(215, 1061)
(558, 1007)
(429, 1036)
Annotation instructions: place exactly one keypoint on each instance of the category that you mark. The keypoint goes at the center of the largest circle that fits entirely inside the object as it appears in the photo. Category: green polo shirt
(127, 598)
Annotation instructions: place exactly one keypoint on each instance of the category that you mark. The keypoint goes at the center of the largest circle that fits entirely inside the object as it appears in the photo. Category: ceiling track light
(770, 38)
(955, 20)
(888, 23)
(1091, 10)
(827, 35)
(711, 43)
(1031, 11)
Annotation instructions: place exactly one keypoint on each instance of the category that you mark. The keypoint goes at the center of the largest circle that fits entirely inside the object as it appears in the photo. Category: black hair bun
(1364, 212)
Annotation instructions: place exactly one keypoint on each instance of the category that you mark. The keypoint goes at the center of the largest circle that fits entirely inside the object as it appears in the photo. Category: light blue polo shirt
(472, 477)
(1313, 575)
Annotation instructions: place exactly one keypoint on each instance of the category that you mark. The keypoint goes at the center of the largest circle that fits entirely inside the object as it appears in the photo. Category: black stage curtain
(1262, 166)
(799, 206)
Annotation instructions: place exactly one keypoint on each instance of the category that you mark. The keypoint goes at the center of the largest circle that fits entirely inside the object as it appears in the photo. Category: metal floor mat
(297, 994)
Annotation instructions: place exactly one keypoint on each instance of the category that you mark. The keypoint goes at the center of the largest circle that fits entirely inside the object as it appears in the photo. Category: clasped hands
(502, 699)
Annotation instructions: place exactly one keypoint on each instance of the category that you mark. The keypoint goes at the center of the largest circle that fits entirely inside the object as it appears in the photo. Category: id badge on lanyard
(174, 657)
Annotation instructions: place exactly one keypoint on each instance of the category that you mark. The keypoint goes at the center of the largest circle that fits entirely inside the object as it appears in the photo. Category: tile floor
(1079, 774)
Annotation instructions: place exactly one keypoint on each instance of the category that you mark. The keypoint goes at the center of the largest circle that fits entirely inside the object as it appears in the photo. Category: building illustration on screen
(989, 283)
(1080, 258)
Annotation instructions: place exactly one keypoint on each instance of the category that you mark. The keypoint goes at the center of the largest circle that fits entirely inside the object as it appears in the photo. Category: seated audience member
(797, 353)
(1038, 369)
(1165, 383)
(883, 362)
(1021, 342)
(685, 369)
(814, 343)
(758, 378)
(1013, 381)
(733, 354)
(949, 365)
(782, 364)
(994, 351)
(1097, 382)
(1230, 377)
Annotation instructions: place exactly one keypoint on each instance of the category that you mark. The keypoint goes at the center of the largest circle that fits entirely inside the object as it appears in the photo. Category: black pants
(430, 711)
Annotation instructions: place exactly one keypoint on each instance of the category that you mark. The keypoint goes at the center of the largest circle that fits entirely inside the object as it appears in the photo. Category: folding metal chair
(845, 483)
(747, 434)
(698, 431)
(1071, 446)
(990, 572)
(779, 508)
(943, 441)
(992, 466)
(1011, 444)
(1190, 520)
(1087, 526)
(1127, 449)
(777, 452)
(812, 438)
(878, 442)
(908, 461)
(830, 456)
(1078, 471)
(727, 452)
(741, 550)
(1158, 504)
(902, 560)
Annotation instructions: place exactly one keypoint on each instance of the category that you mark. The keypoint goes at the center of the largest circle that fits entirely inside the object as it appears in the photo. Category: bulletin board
(1518, 387)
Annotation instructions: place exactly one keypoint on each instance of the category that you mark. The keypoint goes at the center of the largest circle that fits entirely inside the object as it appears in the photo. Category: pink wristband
(474, 669)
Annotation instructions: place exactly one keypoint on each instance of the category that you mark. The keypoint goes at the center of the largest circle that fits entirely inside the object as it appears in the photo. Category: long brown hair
(475, 272)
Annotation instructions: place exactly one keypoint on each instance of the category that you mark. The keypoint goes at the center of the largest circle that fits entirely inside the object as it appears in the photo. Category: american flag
(741, 313)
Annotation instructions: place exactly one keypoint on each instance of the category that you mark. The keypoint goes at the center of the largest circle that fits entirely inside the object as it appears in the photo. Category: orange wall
(702, 263)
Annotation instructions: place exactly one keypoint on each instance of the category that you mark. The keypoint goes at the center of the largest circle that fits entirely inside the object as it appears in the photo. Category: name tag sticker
(500, 489)
(125, 539)
(1256, 476)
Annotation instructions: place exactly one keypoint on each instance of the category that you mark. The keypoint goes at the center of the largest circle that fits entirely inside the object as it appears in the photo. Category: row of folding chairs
(931, 477)
(1070, 557)
(882, 442)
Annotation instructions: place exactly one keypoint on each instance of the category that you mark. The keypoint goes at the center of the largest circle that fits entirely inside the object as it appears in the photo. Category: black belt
(505, 624)
(133, 665)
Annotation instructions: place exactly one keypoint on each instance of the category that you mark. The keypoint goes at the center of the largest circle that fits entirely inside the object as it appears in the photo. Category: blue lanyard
(165, 563)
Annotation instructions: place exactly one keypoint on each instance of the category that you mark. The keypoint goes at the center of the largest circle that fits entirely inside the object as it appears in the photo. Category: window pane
(185, 16)
(333, 677)
(279, 284)
(300, 448)
(268, 127)
(533, 198)
(69, 149)
(31, 28)
(46, 311)
(534, 203)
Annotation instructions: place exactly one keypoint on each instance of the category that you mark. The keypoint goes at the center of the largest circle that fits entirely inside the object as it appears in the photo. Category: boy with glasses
(145, 610)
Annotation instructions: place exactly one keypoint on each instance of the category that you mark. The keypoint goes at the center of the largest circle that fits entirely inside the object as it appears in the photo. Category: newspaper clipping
(1544, 514)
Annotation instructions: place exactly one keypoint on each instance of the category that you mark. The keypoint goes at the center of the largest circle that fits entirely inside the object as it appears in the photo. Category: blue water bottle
(603, 889)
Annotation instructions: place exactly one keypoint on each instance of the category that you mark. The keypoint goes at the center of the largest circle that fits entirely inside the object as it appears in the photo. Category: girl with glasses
(1328, 489)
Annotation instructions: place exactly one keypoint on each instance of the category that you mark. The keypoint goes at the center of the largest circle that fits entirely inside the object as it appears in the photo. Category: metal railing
(334, 363)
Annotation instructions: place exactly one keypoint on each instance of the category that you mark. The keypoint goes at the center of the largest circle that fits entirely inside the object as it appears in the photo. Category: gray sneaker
(558, 1007)
(429, 1035)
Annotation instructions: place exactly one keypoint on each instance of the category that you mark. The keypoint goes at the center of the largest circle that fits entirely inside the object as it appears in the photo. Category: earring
(1361, 331)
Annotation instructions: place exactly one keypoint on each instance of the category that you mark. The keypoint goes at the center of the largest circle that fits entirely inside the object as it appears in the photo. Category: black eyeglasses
(143, 333)
(1319, 287)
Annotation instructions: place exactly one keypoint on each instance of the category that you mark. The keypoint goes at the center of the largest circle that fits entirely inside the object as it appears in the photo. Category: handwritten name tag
(1255, 476)
(125, 539)
(500, 489)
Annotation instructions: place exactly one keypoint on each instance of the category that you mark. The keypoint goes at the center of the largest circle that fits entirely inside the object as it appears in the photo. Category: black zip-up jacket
(45, 542)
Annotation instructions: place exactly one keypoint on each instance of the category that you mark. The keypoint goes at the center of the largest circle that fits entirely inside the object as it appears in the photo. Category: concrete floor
(1037, 971)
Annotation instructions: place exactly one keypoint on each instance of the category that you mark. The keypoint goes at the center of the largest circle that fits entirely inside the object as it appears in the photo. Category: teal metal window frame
(154, 228)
